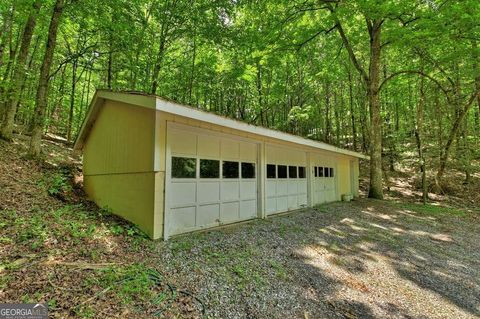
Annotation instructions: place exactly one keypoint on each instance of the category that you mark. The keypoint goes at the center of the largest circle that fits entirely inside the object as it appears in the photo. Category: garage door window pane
(248, 170)
(316, 171)
(301, 172)
(331, 171)
(230, 170)
(326, 171)
(183, 167)
(209, 168)
(292, 171)
(271, 171)
(320, 172)
(282, 171)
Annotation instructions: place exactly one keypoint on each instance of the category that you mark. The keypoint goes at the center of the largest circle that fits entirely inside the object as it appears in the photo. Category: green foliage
(132, 283)
(57, 183)
(433, 210)
(280, 270)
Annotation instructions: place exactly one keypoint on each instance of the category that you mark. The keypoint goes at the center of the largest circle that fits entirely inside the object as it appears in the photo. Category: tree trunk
(72, 99)
(376, 189)
(19, 74)
(6, 37)
(85, 99)
(453, 134)
(327, 112)
(418, 137)
(192, 70)
(6, 30)
(59, 100)
(158, 66)
(466, 158)
(109, 69)
(42, 90)
(476, 73)
(352, 112)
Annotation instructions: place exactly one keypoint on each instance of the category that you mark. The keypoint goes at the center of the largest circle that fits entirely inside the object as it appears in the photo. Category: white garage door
(212, 180)
(324, 179)
(286, 180)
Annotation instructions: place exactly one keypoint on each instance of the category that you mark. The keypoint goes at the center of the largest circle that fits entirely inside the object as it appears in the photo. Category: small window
(316, 171)
(248, 170)
(301, 172)
(183, 167)
(230, 169)
(209, 168)
(271, 171)
(326, 170)
(331, 171)
(320, 172)
(292, 172)
(282, 171)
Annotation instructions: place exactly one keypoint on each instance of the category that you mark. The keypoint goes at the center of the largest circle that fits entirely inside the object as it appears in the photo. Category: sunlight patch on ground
(397, 229)
(378, 226)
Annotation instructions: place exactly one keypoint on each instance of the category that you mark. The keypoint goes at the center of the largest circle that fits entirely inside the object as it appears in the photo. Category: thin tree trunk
(376, 189)
(61, 92)
(6, 31)
(158, 66)
(327, 112)
(19, 74)
(109, 69)
(42, 91)
(452, 135)
(352, 111)
(13, 47)
(476, 72)
(72, 99)
(80, 122)
(418, 137)
(337, 117)
(466, 158)
(192, 70)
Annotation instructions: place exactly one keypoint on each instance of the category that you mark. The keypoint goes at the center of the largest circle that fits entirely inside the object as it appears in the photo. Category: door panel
(324, 188)
(198, 203)
(288, 193)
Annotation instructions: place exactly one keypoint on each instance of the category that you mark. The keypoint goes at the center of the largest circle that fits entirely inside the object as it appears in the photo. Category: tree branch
(393, 75)
(316, 34)
(351, 54)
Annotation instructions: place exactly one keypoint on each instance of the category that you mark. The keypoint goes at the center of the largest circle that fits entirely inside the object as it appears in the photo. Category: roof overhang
(164, 105)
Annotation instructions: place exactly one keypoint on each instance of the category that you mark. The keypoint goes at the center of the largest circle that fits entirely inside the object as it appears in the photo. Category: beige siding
(121, 140)
(127, 195)
(118, 163)
(159, 204)
(356, 185)
(343, 176)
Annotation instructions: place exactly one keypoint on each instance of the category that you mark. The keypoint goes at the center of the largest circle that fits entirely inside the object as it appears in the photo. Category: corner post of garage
(309, 181)
(261, 181)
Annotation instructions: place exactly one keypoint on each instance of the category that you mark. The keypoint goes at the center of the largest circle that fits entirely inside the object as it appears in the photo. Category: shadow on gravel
(437, 253)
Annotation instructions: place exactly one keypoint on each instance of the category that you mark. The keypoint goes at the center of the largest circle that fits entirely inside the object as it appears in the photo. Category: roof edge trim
(188, 112)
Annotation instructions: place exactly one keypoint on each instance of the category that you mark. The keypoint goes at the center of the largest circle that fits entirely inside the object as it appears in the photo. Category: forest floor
(364, 259)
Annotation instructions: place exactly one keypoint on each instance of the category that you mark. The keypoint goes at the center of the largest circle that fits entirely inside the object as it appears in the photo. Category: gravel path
(365, 259)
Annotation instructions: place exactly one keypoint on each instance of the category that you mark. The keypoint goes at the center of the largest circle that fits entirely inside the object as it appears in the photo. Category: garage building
(173, 169)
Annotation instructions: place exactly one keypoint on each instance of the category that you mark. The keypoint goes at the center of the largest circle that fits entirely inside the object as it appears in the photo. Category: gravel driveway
(365, 259)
